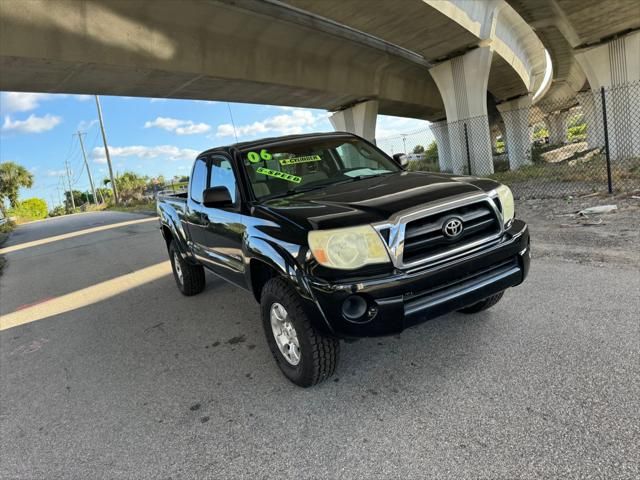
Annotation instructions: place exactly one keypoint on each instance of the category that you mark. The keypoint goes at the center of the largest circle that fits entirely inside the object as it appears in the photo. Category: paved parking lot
(123, 377)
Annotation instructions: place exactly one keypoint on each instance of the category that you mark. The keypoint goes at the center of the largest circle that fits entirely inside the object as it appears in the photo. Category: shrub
(577, 132)
(57, 211)
(131, 186)
(30, 209)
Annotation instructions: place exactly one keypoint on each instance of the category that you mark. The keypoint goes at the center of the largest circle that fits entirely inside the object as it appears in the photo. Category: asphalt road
(120, 376)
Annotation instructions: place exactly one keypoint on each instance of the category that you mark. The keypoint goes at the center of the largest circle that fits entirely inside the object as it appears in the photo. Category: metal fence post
(466, 142)
(606, 139)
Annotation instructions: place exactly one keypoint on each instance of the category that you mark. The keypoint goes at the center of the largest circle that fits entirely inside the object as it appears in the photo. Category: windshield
(295, 167)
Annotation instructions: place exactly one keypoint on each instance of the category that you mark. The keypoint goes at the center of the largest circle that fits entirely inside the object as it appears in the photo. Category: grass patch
(145, 206)
(593, 170)
(5, 231)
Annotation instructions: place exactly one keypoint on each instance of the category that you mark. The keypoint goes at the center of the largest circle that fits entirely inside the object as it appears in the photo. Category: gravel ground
(604, 239)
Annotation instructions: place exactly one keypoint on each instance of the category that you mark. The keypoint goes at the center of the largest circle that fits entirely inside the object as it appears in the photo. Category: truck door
(222, 229)
(194, 219)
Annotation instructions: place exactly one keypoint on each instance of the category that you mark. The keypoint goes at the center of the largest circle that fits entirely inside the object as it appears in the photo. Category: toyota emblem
(452, 227)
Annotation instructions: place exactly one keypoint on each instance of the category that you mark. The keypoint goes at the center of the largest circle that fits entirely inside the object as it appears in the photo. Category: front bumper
(403, 299)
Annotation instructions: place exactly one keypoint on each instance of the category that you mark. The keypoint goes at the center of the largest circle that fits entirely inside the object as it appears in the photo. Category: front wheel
(483, 304)
(304, 355)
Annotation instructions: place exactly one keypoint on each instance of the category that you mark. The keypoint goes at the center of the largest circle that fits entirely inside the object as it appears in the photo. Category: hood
(368, 200)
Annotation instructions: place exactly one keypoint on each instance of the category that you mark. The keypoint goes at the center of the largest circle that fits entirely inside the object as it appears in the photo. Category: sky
(145, 135)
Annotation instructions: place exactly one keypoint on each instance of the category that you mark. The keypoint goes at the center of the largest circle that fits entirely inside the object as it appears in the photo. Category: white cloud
(11, 102)
(33, 124)
(168, 152)
(20, 101)
(298, 121)
(387, 126)
(155, 100)
(55, 173)
(87, 124)
(181, 127)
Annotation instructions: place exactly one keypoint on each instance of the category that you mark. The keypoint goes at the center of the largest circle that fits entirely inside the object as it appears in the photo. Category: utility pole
(106, 151)
(58, 189)
(86, 164)
(73, 202)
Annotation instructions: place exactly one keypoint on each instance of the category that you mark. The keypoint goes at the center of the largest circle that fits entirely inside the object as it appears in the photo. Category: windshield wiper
(373, 175)
(308, 188)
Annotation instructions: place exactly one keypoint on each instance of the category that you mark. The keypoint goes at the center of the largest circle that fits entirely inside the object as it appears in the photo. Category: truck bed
(172, 201)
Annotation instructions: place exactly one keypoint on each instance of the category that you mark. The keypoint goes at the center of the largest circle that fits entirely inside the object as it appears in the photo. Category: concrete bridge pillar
(515, 114)
(440, 131)
(557, 123)
(591, 105)
(359, 119)
(462, 82)
(615, 65)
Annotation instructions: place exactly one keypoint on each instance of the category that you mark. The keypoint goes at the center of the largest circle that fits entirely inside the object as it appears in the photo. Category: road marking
(85, 296)
(44, 241)
(27, 305)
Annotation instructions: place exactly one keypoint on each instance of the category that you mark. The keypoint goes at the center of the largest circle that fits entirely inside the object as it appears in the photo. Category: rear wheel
(483, 304)
(189, 278)
(304, 355)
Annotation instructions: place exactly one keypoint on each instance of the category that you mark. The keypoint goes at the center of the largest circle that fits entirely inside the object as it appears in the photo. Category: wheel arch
(269, 260)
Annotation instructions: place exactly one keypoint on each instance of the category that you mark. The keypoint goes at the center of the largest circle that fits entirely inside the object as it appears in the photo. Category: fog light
(354, 307)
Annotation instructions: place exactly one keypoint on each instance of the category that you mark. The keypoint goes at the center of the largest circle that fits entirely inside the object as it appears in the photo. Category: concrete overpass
(426, 59)
(341, 56)
(206, 50)
(592, 44)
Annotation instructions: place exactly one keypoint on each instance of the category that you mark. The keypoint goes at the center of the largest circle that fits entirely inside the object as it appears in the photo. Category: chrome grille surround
(397, 224)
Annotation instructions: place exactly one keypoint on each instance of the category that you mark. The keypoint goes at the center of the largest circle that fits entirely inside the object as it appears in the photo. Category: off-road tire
(483, 304)
(318, 353)
(193, 280)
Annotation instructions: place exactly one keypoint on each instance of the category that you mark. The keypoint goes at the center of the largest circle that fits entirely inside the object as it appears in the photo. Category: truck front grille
(425, 238)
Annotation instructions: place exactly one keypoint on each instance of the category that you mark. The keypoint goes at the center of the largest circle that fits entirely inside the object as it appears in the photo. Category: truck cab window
(222, 176)
(198, 180)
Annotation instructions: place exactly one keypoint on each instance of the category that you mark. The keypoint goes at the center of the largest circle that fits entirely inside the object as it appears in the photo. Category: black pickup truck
(335, 239)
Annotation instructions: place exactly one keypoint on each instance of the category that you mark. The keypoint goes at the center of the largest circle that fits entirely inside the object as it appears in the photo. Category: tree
(104, 193)
(418, 149)
(77, 199)
(131, 186)
(431, 152)
(12, 178)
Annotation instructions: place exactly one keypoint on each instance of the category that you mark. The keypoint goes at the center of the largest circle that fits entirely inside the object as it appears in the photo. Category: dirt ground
(559, 231)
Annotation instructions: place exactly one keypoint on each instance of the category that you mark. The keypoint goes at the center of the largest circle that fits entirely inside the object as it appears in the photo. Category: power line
(73, 202)
(233, 124)
(86, 164)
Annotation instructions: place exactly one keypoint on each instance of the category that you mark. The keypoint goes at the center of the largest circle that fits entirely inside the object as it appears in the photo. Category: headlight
(506, 200)
(347, 248)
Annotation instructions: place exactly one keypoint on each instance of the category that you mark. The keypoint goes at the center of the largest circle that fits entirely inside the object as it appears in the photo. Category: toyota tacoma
(335, 239)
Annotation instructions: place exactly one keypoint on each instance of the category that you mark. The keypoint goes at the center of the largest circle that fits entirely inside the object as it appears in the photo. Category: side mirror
(216, 197)
(401, 159)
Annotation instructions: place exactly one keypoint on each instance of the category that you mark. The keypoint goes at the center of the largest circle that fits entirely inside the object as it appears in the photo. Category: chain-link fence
(590, 143)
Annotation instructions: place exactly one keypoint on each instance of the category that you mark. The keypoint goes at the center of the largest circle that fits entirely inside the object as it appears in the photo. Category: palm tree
(12, 178)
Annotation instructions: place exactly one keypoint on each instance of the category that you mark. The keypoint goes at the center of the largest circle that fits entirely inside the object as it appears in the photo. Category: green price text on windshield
(255, 157)
(281, 175)
(296, 160)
